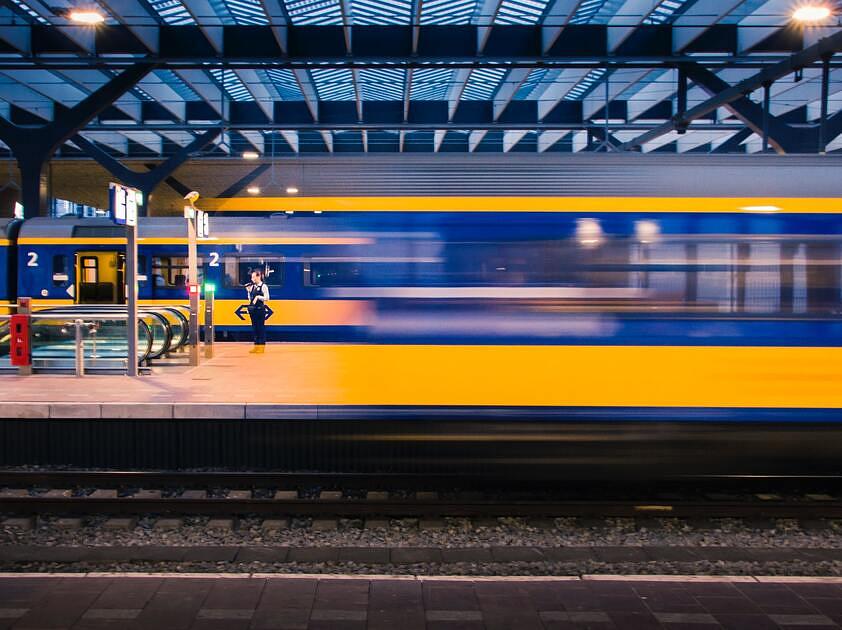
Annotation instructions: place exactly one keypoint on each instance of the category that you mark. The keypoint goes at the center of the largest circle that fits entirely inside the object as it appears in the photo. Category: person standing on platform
(258, 295)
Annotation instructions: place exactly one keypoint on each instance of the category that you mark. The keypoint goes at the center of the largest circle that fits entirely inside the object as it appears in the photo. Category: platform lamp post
(191, 214)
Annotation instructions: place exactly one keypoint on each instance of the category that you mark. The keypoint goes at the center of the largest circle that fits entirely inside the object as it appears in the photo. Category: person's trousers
(258, 325)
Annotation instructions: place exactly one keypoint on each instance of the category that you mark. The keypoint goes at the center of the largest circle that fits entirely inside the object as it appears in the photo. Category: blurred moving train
(753, 276)
(683, 274)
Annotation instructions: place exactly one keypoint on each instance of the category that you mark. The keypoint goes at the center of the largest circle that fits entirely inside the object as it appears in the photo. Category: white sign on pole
(123, 203)
(202, 224)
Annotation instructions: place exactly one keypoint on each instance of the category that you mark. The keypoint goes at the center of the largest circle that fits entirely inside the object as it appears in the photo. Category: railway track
(318, 495)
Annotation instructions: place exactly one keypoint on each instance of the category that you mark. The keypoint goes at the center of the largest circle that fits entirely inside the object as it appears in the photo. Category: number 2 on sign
(33, 259)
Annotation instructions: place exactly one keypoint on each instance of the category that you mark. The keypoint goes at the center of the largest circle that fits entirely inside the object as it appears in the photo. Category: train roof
(174, 227)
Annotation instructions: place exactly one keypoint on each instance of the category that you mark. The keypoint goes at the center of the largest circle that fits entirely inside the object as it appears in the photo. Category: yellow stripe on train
(528, 204)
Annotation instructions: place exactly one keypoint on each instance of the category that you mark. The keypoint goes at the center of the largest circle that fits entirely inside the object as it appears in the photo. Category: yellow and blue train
(559, 271)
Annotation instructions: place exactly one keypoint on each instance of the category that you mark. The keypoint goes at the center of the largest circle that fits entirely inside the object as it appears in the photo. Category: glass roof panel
(430, 84)
(586, 85)
(535, 78)
(378, 12)
(482, 83)
(596, 11)
(173, 12)
(314, 12)
(180, 87)
(232, 84)
(285, 83)
(382, 84)
(448, 11)
(520, 11)
(30, 12)
(335, 84)
(666, 11)
(242, 12)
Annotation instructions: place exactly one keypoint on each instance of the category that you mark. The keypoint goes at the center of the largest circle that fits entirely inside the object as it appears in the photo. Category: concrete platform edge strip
(164, 410)
(446, 578)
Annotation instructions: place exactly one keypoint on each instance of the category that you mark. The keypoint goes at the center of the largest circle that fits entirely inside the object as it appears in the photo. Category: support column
(825, 96)
(766, 104)
(33, 148)
(34, 189)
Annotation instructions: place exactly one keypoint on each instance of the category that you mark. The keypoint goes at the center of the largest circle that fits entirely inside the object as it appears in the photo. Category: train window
(333, 274)
(60, 274)
(172, 271)
(238, 270)
(90, 269)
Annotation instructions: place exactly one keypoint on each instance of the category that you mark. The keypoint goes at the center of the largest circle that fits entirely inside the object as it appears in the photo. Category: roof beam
(556, 16)
(698, 18)
(454, 94)
(779, 133)
(823, 48)
(308, 90)
(484, 18)
(548, 139)
(136, 17)
(627, 18)
(278, 19)
(508, 88)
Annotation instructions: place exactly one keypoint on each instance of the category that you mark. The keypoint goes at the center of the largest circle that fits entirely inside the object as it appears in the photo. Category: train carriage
(749, 277)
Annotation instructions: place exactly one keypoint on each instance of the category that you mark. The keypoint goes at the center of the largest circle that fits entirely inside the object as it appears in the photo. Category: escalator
(162, 330)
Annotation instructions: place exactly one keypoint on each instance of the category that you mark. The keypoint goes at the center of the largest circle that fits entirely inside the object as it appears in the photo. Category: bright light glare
(253, 190)
(760, 208)
(250, 155)
(87, 17)
(811, 13)
(292, 190)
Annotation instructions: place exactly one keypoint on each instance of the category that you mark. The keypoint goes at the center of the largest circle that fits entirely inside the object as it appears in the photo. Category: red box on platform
(20, 340)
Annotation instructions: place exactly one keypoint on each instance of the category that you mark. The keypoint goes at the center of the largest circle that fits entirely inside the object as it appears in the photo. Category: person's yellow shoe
(259, 349)
(255, 350)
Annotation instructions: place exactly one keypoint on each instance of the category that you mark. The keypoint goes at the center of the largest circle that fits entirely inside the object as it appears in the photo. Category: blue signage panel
(123, 202)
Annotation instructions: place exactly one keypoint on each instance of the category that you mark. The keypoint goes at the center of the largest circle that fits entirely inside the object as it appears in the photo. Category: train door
(99, 277)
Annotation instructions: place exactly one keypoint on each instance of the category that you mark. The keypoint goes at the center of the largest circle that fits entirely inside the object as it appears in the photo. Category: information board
(123, 202)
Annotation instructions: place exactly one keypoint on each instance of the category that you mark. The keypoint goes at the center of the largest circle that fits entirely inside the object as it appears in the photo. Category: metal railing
(80, 337)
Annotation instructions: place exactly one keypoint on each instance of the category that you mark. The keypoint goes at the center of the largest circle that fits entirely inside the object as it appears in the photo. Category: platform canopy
(280, 77)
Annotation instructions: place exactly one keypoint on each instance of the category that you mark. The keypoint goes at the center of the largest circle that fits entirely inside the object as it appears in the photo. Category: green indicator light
(210, 287)
(138, 196)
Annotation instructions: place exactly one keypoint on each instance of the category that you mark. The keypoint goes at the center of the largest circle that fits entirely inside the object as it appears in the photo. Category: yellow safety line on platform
(527, 204)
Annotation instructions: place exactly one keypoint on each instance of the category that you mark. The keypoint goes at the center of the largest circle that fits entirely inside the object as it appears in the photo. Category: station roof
(320, 76)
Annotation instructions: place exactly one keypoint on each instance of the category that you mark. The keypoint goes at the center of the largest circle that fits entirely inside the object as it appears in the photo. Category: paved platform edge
(443, 578)
(163, 410)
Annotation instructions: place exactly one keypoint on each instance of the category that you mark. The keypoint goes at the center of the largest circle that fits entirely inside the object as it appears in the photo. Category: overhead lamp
(292, 190)
(760, 208)
(253, 190)
(250, 155)
(86, 16)
(811, 13)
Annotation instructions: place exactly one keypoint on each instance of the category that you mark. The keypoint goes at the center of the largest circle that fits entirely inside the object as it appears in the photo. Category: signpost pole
(131, 299)
(193, 285)
(123, 203)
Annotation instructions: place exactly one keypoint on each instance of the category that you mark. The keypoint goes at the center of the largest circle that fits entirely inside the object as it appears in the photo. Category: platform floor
(260, 602)
(358, 374)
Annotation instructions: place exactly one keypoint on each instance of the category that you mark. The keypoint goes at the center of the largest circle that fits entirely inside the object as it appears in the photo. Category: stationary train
(755, 275)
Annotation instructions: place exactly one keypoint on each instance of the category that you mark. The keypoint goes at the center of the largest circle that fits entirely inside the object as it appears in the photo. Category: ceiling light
(760, 208)
(86, 16)
(253, 190)
(250, 155)
(292, 190)
(811, 13)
